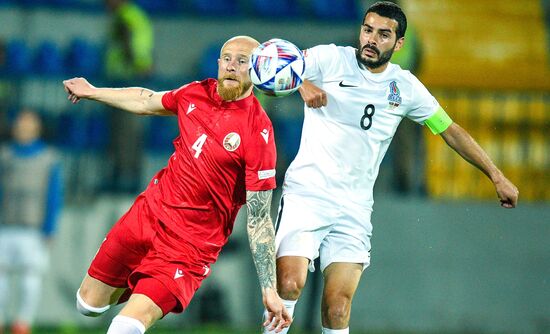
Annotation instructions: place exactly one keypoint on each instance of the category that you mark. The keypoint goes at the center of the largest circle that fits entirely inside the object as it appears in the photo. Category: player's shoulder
(257, 114)
(329, 49)
(402, 75)
(194, 86)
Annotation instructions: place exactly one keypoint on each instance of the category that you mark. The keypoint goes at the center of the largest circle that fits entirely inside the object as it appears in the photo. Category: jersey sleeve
(170, 99)
(260, 156)
(423, 105)
(317, 59)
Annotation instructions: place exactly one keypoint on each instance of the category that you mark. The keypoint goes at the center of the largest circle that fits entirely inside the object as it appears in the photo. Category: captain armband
(438, 122)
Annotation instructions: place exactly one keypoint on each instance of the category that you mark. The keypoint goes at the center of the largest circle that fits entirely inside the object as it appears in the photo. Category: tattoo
(261, 236)
(143, 90)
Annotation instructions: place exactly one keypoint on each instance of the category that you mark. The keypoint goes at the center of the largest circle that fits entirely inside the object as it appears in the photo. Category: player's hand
(507, 192)
(77, 88)
(313, 96)
(277, 315)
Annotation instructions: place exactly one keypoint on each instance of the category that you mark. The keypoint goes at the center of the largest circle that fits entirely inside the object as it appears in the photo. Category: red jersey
(224, 148)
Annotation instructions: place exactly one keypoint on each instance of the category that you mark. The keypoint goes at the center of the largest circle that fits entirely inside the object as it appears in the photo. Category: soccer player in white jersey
(355, 99)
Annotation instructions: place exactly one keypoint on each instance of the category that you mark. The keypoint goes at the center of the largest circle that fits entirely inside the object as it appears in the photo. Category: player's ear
(399, 44)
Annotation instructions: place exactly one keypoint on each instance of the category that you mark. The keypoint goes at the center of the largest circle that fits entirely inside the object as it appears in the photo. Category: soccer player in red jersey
(158, 253)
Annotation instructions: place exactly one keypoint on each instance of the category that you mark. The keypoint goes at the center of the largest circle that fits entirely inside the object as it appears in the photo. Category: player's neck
(378, 69)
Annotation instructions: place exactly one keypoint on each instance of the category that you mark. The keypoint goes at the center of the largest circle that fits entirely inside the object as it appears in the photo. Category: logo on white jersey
(342, 84)
(394, 98)
(191, 108)
(232, 141)
(265, 134)
(178, 274)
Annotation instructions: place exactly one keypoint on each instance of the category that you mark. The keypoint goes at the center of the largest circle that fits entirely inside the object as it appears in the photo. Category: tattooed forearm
(261, 236)
(143, 90)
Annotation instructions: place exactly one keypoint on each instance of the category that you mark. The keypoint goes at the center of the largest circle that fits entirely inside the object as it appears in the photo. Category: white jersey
(344, 142)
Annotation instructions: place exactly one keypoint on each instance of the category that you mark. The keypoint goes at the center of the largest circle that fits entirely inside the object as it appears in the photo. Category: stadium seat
(217, 7)
(97, 134)
(335, 10)
(160, 134)
(208, 64)
(6, 2)
(48, 59)
(27, 3)
(162, 7)
(281, 9)
(83, 58)
(18, 58)
(71, 131)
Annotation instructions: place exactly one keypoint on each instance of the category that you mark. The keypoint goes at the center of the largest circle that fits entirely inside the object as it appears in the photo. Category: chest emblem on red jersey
(232, 141)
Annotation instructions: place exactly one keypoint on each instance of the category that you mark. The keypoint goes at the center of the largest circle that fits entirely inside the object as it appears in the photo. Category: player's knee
(289, 287)
(336, 310)
(88, 310)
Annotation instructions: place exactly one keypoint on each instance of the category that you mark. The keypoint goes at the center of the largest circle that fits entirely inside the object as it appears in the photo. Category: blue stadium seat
(97, 134)
(160, 134)
(71, 131)
(281, 9)
(224, 8)
(6, 2)
(163, 7)
(335, 10)
(208, 64)
(18, 58)
(83, 59)
(48, 59)
(28, 3)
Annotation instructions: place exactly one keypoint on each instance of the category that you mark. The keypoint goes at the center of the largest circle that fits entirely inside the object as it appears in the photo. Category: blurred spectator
(31, 197)
(129, 58)
(130, 48)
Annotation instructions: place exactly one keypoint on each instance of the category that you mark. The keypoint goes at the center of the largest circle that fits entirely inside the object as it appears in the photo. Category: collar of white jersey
(376, 76)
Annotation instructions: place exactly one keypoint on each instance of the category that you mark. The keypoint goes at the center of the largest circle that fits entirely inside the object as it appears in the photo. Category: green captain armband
(438, 122)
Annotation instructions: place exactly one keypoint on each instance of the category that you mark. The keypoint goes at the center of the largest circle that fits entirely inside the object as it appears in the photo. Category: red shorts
(138, 248)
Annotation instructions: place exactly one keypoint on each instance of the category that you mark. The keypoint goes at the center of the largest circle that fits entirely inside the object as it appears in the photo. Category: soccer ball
(277, 67)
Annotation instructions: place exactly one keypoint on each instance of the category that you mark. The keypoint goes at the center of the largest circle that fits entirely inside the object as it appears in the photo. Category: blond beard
(232, 93)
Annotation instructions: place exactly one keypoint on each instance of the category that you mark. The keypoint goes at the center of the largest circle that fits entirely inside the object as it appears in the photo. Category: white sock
(335, 331)
(122, 324)
(289, 305)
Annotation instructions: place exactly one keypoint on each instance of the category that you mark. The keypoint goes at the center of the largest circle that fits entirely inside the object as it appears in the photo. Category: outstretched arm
(460, 141)
(136, 100)
(261, 236)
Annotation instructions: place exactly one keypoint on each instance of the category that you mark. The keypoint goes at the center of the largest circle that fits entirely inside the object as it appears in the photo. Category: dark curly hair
(390, 10)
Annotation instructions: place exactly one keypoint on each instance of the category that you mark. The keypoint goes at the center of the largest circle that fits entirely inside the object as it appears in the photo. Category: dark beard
(232, 93)
(373, 64)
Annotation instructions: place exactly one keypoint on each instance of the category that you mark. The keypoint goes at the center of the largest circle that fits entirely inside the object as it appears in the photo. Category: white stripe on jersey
(343, 143)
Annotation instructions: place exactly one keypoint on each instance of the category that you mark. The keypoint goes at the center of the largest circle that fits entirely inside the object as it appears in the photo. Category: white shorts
(312, 228)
